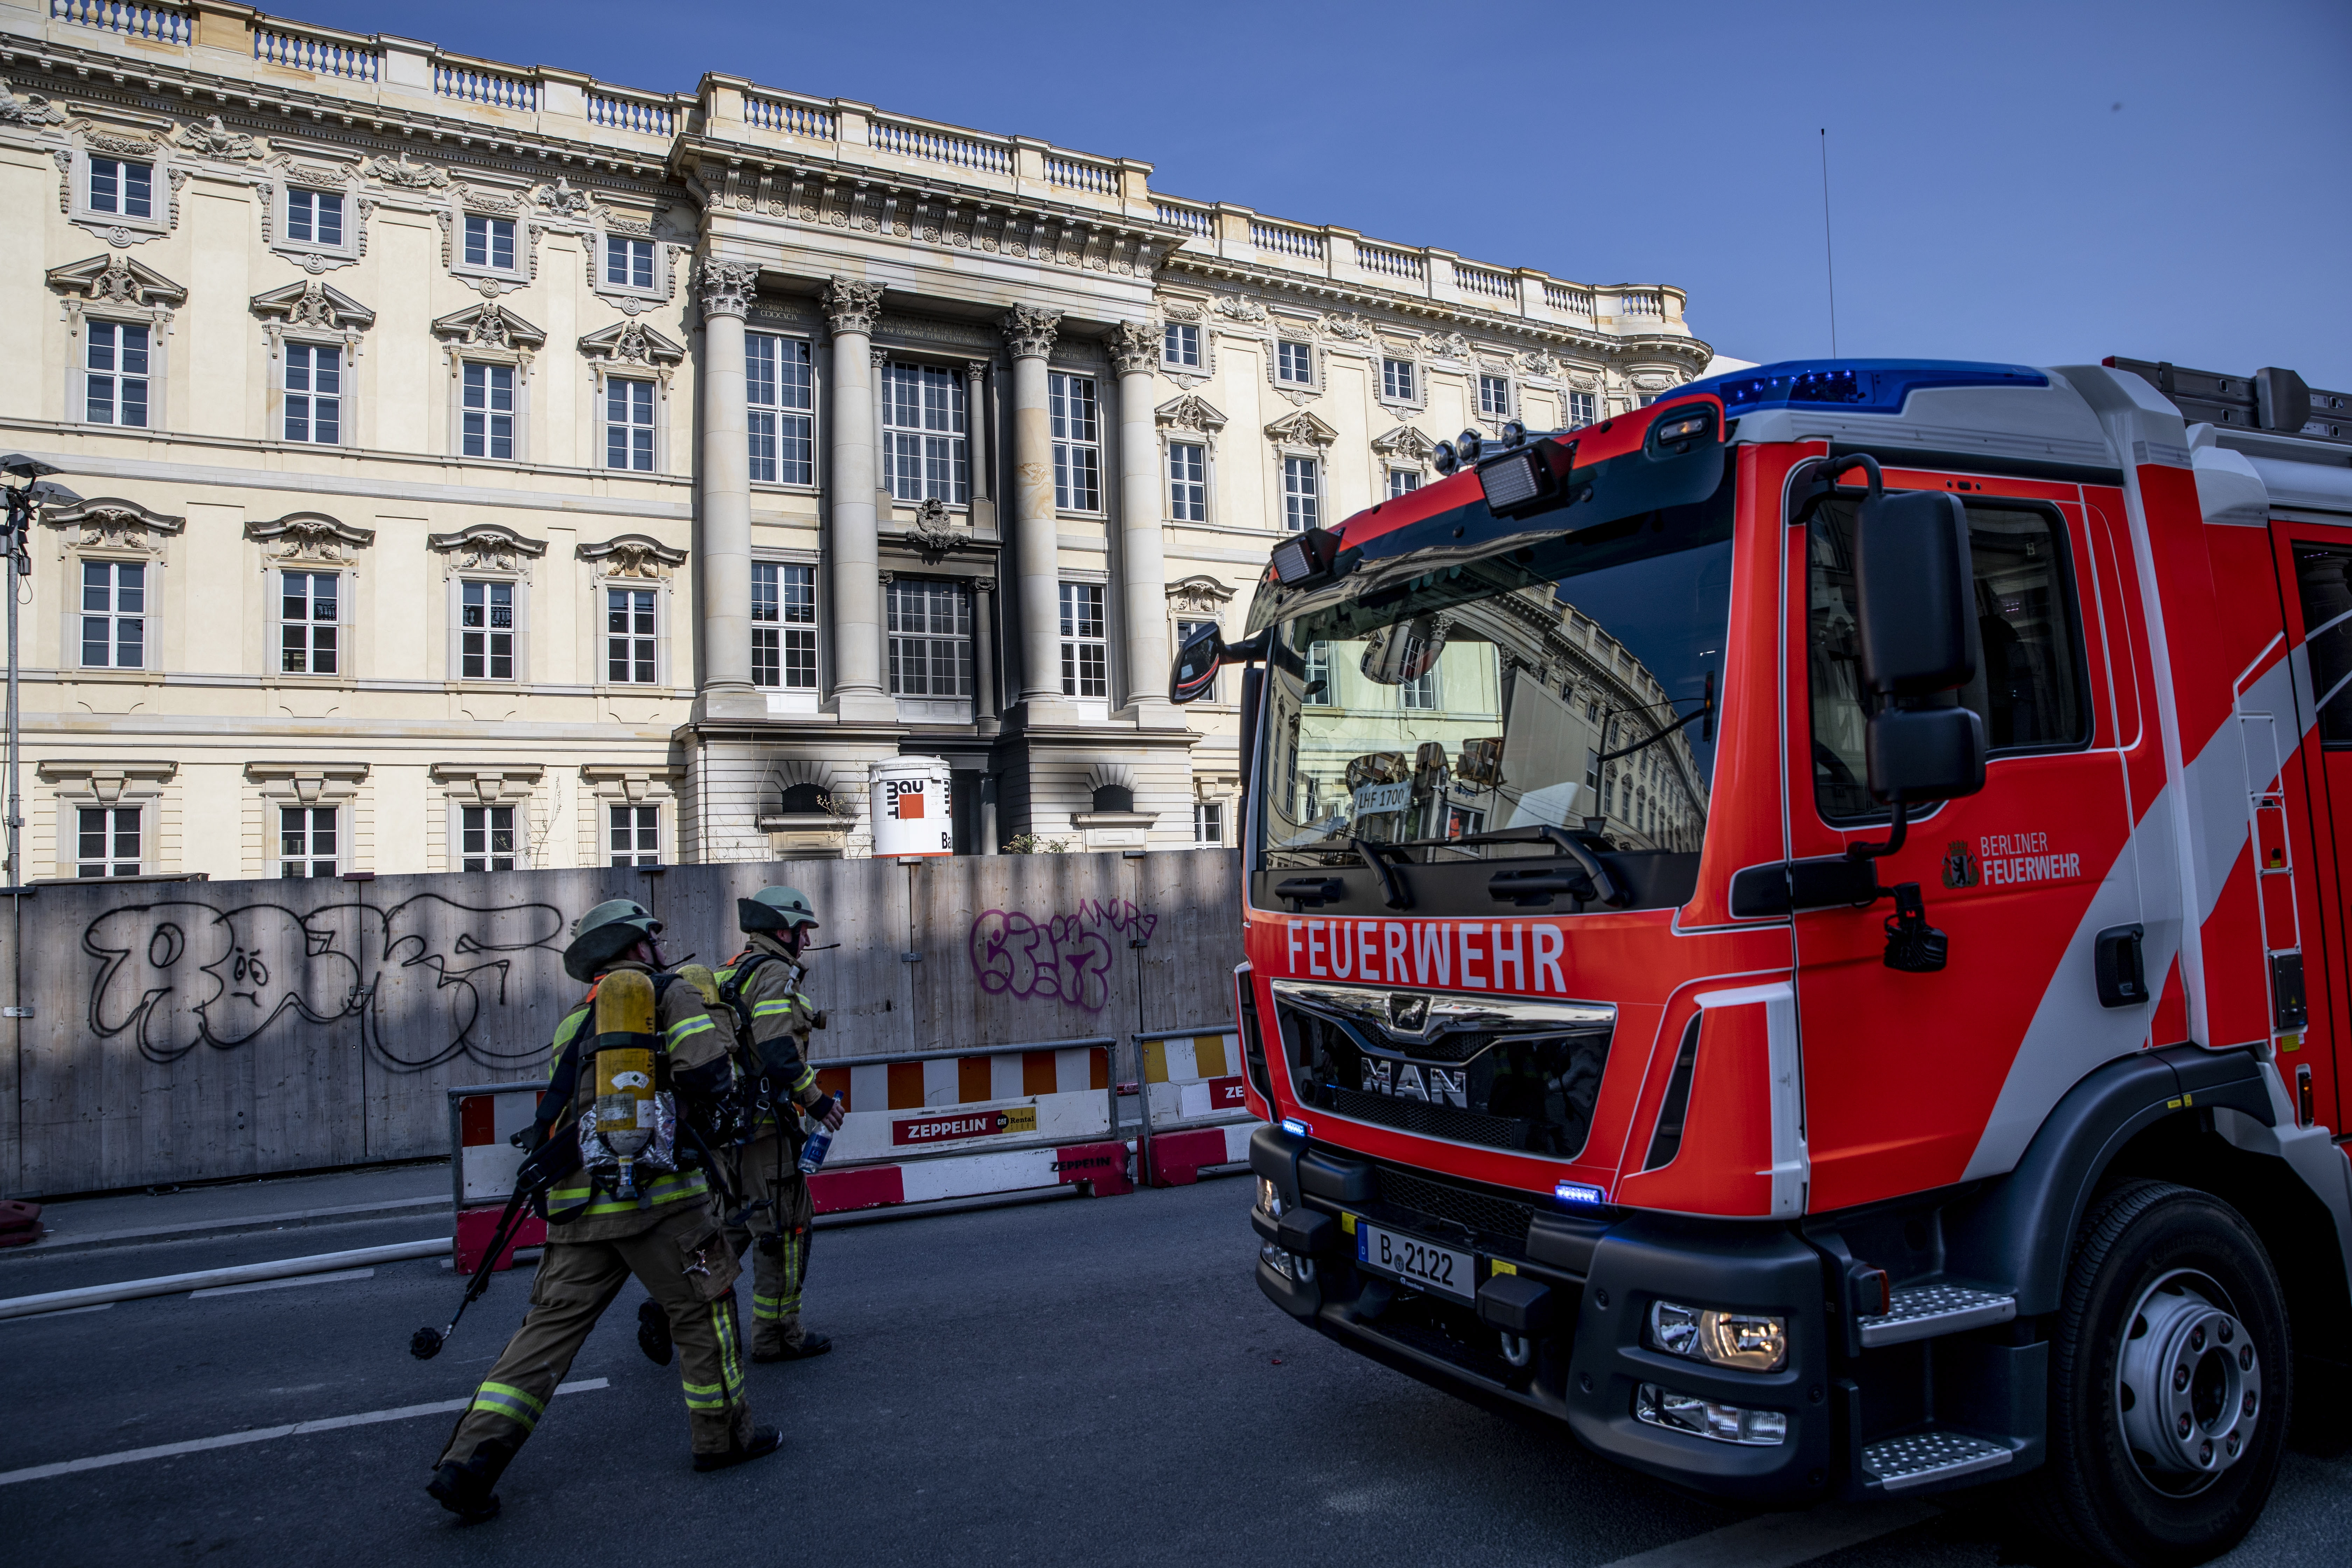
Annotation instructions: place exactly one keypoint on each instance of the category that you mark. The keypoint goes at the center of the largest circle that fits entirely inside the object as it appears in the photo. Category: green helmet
(774, 908)
(606, 932)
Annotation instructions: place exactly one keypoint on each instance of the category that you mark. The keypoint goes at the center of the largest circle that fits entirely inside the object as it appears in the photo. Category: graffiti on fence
(420, 976)
(1063, 958)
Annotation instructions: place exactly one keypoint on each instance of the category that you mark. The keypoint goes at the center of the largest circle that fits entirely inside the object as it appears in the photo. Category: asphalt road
(1066, 1383)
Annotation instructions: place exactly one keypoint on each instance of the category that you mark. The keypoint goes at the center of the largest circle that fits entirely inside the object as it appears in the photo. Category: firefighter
(773, 1020)
(646, 1213)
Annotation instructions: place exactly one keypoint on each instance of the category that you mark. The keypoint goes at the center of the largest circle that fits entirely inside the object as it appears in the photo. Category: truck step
(1920, 1458)
(1924, 1311)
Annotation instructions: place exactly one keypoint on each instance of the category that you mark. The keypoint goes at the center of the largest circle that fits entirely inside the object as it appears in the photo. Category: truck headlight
(1269, 1199)
(1750, 1342)
(1660, 1406)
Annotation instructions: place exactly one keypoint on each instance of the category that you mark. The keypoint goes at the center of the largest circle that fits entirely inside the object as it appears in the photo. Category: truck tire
(2169, 1391)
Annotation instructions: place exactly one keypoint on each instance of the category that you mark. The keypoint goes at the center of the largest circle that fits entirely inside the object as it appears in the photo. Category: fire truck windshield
(1563, 683)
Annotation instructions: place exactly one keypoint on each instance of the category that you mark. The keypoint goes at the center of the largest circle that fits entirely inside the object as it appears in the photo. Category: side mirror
(1194, 675)
(1918, 754)
(1914, 585)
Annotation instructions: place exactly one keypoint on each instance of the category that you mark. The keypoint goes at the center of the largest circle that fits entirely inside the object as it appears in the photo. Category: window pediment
(487, 326)
(110, 523)
(116, 280)
(1404, 444)
(1190, 411)
(625, 343)
(310, 536)
(487, 547)
(1302, 429)
(634, 555)
(313, 304)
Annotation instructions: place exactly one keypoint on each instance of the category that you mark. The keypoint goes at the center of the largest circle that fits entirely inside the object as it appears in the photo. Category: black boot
(808, 1345)
(653, 1333)
(763, 1441)
(464, 1491)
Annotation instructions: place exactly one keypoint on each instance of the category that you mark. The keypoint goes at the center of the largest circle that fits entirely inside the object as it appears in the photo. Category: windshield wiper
(1605, 887)
(1393, 892)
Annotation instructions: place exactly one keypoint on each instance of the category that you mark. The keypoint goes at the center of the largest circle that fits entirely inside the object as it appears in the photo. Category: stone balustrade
(309, 68)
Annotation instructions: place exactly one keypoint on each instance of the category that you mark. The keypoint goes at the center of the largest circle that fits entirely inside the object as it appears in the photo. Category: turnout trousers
(685, 1266)
(768, 1168)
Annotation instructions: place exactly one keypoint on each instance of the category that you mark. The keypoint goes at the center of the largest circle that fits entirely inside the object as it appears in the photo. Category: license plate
(1439, 1269)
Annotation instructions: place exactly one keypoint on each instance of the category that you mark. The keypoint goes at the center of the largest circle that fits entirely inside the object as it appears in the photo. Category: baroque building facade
(487, 466)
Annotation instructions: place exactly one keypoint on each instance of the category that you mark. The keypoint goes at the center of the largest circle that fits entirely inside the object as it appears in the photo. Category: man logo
(1408, 1015)
(1960, 869)
(1416, 1080)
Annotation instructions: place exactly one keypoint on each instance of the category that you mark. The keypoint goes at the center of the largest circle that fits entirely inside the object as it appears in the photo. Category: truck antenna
(1828, 255)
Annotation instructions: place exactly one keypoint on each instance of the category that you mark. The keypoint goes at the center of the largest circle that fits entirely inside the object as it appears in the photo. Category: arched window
(1114, 797)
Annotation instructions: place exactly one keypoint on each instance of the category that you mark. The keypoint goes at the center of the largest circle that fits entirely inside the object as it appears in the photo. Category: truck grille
(1510, 1073)
(1433, 1120)
(1499, 1218)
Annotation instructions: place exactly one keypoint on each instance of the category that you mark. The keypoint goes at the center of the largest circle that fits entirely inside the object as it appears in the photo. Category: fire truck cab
(1800, 930)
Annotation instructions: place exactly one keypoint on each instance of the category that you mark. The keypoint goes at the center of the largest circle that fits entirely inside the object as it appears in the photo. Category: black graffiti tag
(182, 974)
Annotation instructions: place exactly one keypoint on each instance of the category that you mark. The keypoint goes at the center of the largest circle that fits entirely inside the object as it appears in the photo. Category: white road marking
(69, 1312)
(1780, 1539)
(261, 1434)
(281, 1284)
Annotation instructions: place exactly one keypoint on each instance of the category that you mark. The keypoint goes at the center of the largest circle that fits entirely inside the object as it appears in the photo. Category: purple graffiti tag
(1060, 960)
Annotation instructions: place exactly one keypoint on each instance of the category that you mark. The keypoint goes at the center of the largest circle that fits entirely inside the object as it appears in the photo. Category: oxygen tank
(627, 1112)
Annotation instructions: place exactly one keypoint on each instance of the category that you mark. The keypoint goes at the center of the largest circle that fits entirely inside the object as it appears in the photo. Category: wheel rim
(2188, 1383)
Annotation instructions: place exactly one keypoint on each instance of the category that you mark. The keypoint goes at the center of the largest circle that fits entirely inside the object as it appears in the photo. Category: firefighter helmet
(775, 908)
(606, 932)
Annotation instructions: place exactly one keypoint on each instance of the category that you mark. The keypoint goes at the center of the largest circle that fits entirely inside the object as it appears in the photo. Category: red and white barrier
(1193, 1092)
(482, 1166)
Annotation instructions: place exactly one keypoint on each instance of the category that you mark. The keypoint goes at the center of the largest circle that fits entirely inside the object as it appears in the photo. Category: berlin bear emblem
(1960, 869)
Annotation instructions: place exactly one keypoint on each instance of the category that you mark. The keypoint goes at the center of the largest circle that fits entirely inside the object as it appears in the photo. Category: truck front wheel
(2169, 1381)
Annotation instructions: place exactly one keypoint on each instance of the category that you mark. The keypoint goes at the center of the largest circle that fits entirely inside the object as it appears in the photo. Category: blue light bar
(1292, 1124)
(1580, 1193)
(1850, 385)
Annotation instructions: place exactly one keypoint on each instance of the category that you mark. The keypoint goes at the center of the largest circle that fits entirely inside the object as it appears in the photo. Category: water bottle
(820, 1142)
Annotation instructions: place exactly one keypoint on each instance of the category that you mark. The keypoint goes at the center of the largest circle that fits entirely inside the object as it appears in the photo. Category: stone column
(1029, 332)
(975, 404)
(723, 538)
(1142, 563)
(852, 553)
(983, 654)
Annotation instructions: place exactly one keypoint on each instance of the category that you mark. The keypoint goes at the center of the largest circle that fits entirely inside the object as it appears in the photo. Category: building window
(923, 434)
(115, 384)
(1420, 693)
(1494, 397)
(486, 631)
(1077, 442)
(1396, 380)
(314, 218)
(113, 615)
(628, 425)
(1187, 482)
(1086, 649)
(629, 263)
(637, 835)
(1315, 693)
(629, 638)
(1179, 345)
(1301, 490)
(108, 839)
(490, 242)
(1294, 364)
(783, 627)
(777, 387)
(488, 408)
(1209, 824)
(306, 840)
(1579, 409)
(930, 640)
(306, 623)
(1403, 482)
(486, 836)
(314, 393)
(123, 188)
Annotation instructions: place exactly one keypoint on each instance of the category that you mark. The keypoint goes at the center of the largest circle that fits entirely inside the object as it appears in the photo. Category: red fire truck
(1800, 930)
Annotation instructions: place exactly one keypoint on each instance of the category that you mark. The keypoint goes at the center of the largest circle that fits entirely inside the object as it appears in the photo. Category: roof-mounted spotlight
(1444, 459)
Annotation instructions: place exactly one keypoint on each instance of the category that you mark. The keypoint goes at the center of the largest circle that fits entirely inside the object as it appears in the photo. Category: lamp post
(25, 497)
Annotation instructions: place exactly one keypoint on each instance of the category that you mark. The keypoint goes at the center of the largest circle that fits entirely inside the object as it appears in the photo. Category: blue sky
(2046, 182)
